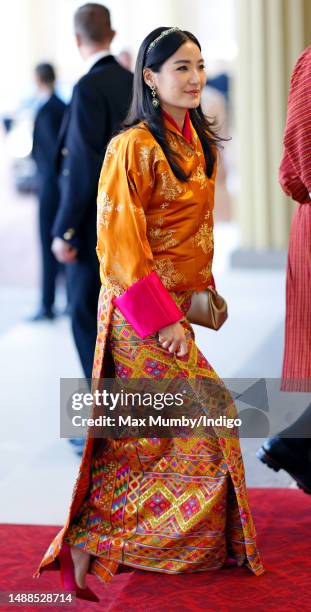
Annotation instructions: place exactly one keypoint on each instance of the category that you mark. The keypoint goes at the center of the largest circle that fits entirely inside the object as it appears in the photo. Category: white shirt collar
(95, 57)
(44, 96)
(41, 99)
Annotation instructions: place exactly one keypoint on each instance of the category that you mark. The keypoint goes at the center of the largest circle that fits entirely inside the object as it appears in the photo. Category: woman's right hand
(173, 338)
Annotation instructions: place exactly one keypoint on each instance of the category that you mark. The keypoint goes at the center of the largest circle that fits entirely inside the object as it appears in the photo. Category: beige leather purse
(208, 309)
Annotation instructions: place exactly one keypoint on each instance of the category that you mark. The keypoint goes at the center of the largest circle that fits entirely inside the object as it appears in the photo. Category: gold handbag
(208, 309)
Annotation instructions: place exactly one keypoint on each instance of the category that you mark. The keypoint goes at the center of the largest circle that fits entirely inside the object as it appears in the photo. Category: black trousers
(50, 268)
(49, 265)
(83, 286)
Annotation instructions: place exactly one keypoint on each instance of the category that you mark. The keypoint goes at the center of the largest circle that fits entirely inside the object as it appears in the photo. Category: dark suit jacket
(99, 103)
(45, 136)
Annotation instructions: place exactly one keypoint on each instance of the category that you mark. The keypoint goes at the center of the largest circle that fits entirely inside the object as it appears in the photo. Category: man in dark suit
(99, 104)
(46, 128)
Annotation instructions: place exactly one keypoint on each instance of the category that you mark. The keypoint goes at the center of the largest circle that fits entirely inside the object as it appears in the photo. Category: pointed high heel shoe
(68, 575)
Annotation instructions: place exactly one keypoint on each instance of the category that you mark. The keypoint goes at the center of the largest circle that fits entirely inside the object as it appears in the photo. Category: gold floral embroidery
(170, 188)
(122, 202)
(160, 221)
(111, 150)
(168, 274)
(187, 148)
(111, 280)
(144, 154)
(166, 239)
(204, 238)
(200, 177)
(189, 152)
(104, 207)
(168, 242)
(144, 163)
(155, 233)
(206, 272)
(173, 144)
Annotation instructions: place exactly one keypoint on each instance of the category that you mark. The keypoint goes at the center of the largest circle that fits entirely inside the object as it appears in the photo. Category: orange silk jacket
(148, 220)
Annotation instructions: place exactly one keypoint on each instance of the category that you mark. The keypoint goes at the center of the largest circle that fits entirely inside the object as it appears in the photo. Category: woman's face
(181, 78)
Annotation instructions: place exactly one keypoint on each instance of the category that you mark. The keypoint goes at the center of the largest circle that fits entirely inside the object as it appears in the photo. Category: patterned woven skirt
(169, 505)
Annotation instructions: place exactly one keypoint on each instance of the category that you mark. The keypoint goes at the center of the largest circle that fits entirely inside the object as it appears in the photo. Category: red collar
(186, 131)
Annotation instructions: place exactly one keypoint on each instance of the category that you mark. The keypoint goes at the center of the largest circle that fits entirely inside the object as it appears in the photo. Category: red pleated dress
(295, 179)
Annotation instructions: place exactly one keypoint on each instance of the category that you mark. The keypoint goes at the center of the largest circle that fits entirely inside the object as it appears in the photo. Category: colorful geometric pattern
(172, 505)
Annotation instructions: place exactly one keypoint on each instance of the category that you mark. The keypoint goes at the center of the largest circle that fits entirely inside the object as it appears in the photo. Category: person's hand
(63, 251)
(172, 337)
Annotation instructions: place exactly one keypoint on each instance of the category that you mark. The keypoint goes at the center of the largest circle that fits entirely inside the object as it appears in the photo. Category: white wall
(41, 30)
(212, 21)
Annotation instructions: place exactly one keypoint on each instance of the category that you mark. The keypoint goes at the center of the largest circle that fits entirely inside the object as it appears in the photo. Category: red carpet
(283, 520)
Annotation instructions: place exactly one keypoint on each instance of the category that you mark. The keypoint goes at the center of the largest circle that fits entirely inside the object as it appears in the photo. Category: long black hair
(141, 108)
